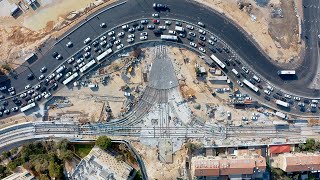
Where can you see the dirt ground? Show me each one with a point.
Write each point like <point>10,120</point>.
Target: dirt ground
<point>21,36</point>
<point>156,169</point>
<point>278,37</point>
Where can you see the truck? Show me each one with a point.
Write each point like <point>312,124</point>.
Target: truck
<point>179,29</point>
<point>282,103</point>
<point>104,54</point>
<point>286,72</point>
<point>281,115</point>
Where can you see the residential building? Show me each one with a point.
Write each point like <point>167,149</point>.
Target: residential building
<point>23,174</point>
<point>296,162</point>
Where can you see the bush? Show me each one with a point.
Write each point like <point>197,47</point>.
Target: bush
<point>103,142</point>
<point>7,67</point>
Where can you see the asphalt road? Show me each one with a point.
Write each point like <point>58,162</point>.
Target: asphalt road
<point>187,11</point>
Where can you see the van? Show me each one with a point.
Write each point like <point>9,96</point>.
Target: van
<point>235,72</point>
<point>314,101</point>
<point>267,92</point>
<point>60,69</point>
<point>270,88</point>
<point>86,41</point>
<point>256,78</point>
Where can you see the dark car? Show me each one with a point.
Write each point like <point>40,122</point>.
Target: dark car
<point>202,38</point>
<point>135,24</point>
<point>5,103</point>
<point>227,62</point>
<point>54,54</point>
<point>201,43</point>
<point>252,81</point>
<point>226,49</point>
<point>159,6</point>
<point>283,99</point>
<point>95,43</point>
<point>276,96</point>
<point>190,38</point>
<point>42,89</point>
<point>157,32</point>
<point>27,98</point>
<point>178,23</point>
<point>96,49</point>
<point>212,49</point>
<point>267,98</point>
<point>279,93</point>
<point>237,61</point>
<point>259,86</point>
<point>233,64</point>
<point>307,101</point>
<point>30,76</point>
<point>219,50</point>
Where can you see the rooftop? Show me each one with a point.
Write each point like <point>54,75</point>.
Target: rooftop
<point>100,165</point>
<point>295,162</point>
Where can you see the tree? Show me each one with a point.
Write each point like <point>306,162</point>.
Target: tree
<point>14,151</point>
<point>66,155</point>
<point>7,67</point>
<point>55,170</point>
<point>310,144</point>
<point>103,142</point>
<point>119,158</point>
<point>6,154</point>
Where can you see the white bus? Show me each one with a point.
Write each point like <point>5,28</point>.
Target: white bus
<point>27,107</point>
<point>282,103</point>
<point>281,115</point>
<point>215,59</point>
<point>88,65</point>
<point>250,85</point>
<point>235,72</point>
<point>286,72</point>
<point>69,79</point>
<point>169,37</point>
<point>104,54</point>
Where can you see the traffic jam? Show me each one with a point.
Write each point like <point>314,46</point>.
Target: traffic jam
<point>95,51</point>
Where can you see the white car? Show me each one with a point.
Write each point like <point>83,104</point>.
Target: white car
<point>130,40</point>
<point>37,87</point>
<point>69,44</point>
<point>172,32</point>
<point>120,34</point>
<point>287,96</point>
<point>103,25</point>
<point>80,60</point>
<point>267,92</point>
<point>297,98</point>
<point>30,91</point>
<point>245,69</point>
<point>117,42</point>
<point>111,33</point>
<point>102,43</point>
<point>202,50</point>
<point>142,38</point>
<point>162,27</point>
<point>87,48</point>
<point>87,54</point>
<point>125,26</point>
<point>201,31</point>
<point>193,44</point>
<point>68,74</point>
<point>201,24</point>
<point>58,57</point>
<point>144,34</point>
<point>27,86</point>
<point>81,65</point>
<point>240,83</point>
<point>144,21</point>
<point>23,95</point>
<point>51,76</point>
<point>211,42</point>
<point>131,36</point>
<point>189,27</point>
<point>14,109</point>
<point>103,38</point>
<point>70,60</point>
<point>12,92</point>
<point>155,15</point>
<point>167,22</point>
<point>11,89</point>
<point>192,34</point>
<point>120,46</point>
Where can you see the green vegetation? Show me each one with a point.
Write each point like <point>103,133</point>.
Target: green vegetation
<point>4,172</point>
<point>138,176</point>
<point>311,145</point>
<point>82,149</point>
<point>6,154</point>
<point>45,159</point>
<point>103,142</point>
<point>7,67</point>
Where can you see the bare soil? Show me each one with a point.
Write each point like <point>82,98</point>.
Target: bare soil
<point>278,37</point>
